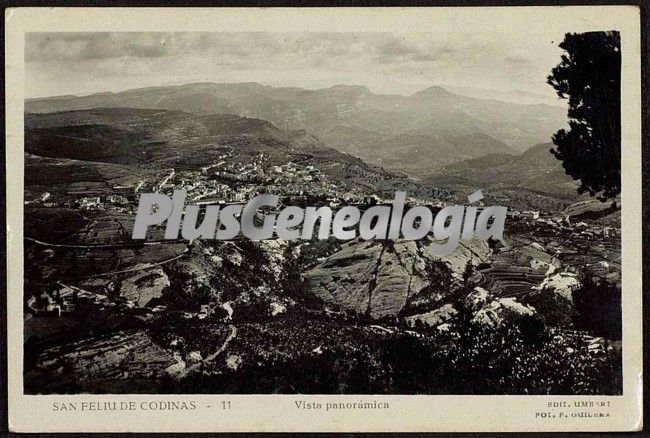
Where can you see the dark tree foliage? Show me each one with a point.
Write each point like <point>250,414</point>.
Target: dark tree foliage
<point>439,276</point>
<point>468,272</point>
<point>293,285</point>
<point>598,308</point>
<point>590,76</point>
<point>520,359</point>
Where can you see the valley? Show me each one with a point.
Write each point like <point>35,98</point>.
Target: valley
<point>105,314</point>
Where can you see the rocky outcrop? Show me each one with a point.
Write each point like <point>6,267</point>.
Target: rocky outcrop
<point>501,311</point>
<point>433,318</point>
<point>377,278</point>
<point>553,298</point>
<point>474,250</point>
<point>560,285</point>
<point>476,299</point>
<point>486,311</point>
<point>143,287</point>
<point>121,357</point>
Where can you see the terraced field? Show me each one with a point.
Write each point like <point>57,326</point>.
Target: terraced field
<point>507,280</point>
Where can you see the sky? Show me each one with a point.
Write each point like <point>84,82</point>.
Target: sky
<point>387,63</point>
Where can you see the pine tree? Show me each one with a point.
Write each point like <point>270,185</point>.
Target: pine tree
<point>590,76</point>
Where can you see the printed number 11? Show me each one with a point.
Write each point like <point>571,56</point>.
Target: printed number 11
<point>225,404</point>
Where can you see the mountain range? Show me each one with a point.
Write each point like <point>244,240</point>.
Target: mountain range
<point>414,134</point>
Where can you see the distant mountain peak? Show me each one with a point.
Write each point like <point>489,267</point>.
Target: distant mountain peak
<point>435,90</point>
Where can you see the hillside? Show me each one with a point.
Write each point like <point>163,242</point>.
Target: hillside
<point>535,177</point>
<point>237,316</point>
<point>409,133</point>
<point>160,139</point>
<point>514,96</point>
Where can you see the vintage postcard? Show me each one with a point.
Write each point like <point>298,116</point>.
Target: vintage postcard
<point>313,220</point>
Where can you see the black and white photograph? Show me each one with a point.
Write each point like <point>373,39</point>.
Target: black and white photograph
<point>527,122</point>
